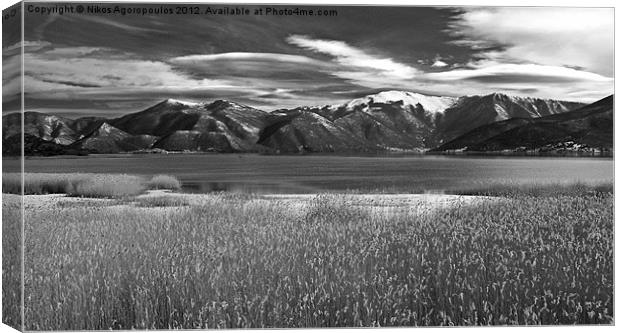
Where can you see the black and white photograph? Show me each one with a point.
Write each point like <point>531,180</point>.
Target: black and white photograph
<point>227,165</point>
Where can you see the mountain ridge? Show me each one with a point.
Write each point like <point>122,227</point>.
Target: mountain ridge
<point>589,128</point>
<point>386,121</point>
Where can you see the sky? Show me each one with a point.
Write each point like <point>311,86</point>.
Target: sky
<point>110,64</point>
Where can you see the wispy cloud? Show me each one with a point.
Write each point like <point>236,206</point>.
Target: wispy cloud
<point>563,53</point>
<point>237,66</point>
<point>490,71</point>
<point>524,79</point>
<point>356,63</point>
<point>86,75</point>
<point>275,80</point>
<point>120,74</point>
<point>113,63</point>
<point>29,46</point>
<point>553,36</point>
<point>115,24</point>
<point>76,73</point>
<point>439,63</point>
<point>494,72</point>
<point>241,56</point>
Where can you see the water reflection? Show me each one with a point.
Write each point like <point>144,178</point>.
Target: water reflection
<point>315,174</point>
<point>245,187</point>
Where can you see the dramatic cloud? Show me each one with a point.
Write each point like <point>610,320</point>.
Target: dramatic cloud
<point>118,79</point>
<point>283,80</point>
<point>439,63</point>
<point>555,36</point>
<point>268,66</point>
<point>29,46</point>
<point>11,83</point>
<point>118,64</point>
<point>524,79</point>
<point>357,64</point>
<point>563,53</point>
<point>75,73</point>
<point>495,72</point>
<point>248,56</point>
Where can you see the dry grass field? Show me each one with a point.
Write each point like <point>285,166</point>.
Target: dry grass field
<point>169,260</point>
<point>11,260</point>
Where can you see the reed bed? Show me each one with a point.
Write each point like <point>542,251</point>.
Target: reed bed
<point>238,262</point>
<point>164,182</point>
<point>536,189</point>
<point>86,184</point>
<point>162,201</point>
<point>11,261</point>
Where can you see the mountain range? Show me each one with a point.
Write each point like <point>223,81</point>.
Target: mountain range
<point>589,127</point>
<point>386,121</point>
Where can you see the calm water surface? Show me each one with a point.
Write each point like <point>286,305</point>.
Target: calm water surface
<point>318,173</point>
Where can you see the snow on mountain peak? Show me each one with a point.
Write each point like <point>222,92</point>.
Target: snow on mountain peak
<point>514,98</point>
<point>432,104</point>
<point>105,128</point>
<point>176,101</point>
<point>225,103</point>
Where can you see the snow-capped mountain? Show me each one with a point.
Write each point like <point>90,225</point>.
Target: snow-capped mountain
<point>47,127</point>
<point>389,120</point>
<point>470,112</point>
<point>588,127</point>
<point>172,101</point>
<point>109,139</point>
<point>432,104</point>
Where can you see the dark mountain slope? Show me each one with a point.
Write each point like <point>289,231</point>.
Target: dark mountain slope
<point>474,111</point>
<point>243,121</point>
<point>482,133</point>
<point>44,126</point>
<point>588,127</point>
<point>385,132</point>
<point>301,131</point>
<point>211,141</point>
<point>389,120</point>
<point>85,125</point>
<point>398,120</point>
<point>161,119</point>
<point>220,126</point>
<point>384,121</point>
<point>35,146</point>
<point>109,139</point>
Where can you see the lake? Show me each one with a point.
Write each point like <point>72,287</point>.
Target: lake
<point>320,173</point>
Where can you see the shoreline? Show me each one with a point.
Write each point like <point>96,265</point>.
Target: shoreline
<point>375,202</point>
<point>379,154</point>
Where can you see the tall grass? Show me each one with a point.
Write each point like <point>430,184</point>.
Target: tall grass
<point>41,183</point>
<point>164,182</point>
<point>86,184</point>
<point>535,189</point>
<point>162,201</point>
<point>11,261</point>
<point>506,188</point>
<point>244,262</point>
<point>107,186</point>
